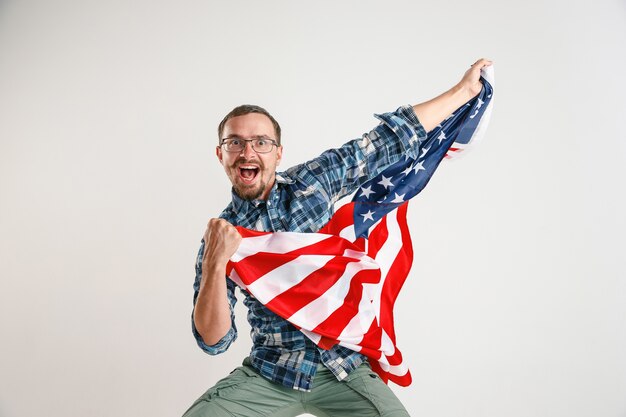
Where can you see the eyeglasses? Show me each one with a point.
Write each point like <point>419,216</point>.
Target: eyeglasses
<point>259,145</point>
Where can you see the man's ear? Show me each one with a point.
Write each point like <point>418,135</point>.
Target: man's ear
<point>218,153</point>
<point>279,155</point>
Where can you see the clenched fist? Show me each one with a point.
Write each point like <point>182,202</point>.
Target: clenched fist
<point>221,240</point>
<point>471,79</point>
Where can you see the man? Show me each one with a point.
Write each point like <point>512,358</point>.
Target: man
<point>287,374</point>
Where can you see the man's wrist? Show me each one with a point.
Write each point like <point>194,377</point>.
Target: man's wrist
<point>465,92</point>
<point>214,269</point>
<point>461,94</point>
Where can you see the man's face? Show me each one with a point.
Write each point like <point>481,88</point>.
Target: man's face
<point>252,174</point>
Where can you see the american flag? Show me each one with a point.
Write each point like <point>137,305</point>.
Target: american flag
<point>339,286</point>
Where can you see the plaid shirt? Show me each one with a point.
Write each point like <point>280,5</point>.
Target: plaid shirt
<point>302,200</point>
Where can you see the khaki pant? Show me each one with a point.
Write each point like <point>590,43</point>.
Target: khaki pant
<point>245,393</point>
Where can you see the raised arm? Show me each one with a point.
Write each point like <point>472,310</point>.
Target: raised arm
<point>339,172</point>
<point>433,112</point>
<point>212,316</point>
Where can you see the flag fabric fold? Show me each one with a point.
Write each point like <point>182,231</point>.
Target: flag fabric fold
<point>339,286</point>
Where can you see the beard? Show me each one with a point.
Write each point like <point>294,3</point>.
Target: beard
<point>250,193</point>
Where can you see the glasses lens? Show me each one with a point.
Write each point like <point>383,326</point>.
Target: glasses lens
<point>233,145</point>
<point>262,145</point>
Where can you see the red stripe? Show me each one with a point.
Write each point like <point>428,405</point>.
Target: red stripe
<point>402,380</point>
<point>255,266</point>
<point>371,341</point>
<point>344,217</point>
<point>327,342</point>
<point>309,289</point>
<point>339,319</point>
<point>397,274</point>
<point>378,236</point>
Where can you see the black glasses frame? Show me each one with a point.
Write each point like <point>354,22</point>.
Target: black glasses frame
<point>272,141</point>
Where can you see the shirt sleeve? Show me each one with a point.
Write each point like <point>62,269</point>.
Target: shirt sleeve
<point>341,171</point>
<point>224,343</point>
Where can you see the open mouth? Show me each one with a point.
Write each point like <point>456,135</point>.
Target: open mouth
<point>248,173</point>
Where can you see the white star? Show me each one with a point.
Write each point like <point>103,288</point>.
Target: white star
<point>385,182</point>
<point>419,167</point>
<point>424,151</point>
<point>441,136</point>
<point>478,106</point>
<point>398,199</point>
<point>366,191</point>
<point>368,216</point>
<point>407,170</point>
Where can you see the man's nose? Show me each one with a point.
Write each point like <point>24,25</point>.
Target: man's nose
<point>247,150</point>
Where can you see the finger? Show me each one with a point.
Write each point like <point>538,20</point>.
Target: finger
<point>482,62</point>
<point>209,227</point>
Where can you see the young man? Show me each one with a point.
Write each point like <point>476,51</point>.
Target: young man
<point>287,374</point>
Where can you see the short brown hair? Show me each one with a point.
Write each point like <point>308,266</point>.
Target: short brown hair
<point>247,109</point>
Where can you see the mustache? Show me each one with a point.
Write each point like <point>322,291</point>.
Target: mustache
<point>244,161</point>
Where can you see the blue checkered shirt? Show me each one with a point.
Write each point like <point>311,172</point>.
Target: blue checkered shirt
<point>302,200</point>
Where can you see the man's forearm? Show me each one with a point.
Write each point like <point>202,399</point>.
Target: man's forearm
<point>435,111</point>
<point>212,311</point>
<point>211,315</point>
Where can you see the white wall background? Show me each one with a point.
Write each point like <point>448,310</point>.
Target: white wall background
<point>516,305</point>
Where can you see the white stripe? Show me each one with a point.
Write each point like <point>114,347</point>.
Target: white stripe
<point>369,311</point>
<point>356,328</point>
<point>386,345</point>
<point>315,338</point>
<point>348,233</point>
<point>251,246</point>
<point>280,242</point>
<point>234,276</point>
<point>318,310</point>
<point>386,256</point>
<point>399,370</point>
<point>489,75</point>
<point>351,346</point>
<point>460,147</point>
<point>286,276</point>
